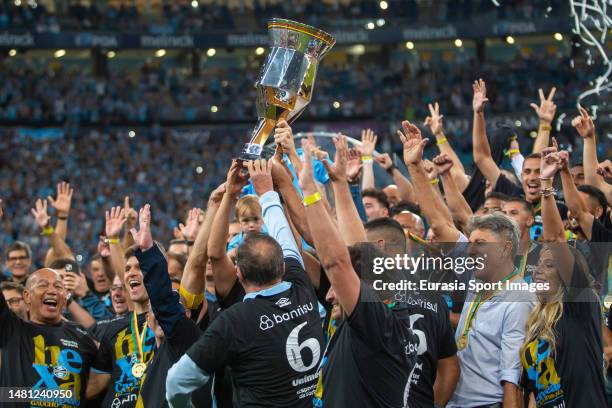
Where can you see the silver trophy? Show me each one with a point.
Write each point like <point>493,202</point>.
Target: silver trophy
<point>287,78</point>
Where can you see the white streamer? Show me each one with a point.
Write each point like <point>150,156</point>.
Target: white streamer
<point>592,24</point>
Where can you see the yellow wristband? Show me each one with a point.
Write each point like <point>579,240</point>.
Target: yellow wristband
<point>191,301</point>
<point>312,199</point>
<point>113,241</point>
<point>546,128</point>
<point>47,231</point>
<point>366,159</point>
<point>512,152</point>
<point>441,141</point>
<point>435,181</point>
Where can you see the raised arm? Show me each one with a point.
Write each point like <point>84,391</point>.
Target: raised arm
<point>332,251</point>
<point>283,137</point>
<point>281,177</point>
<point>480,144</point>
<point>193,281</point>
<point>115,220</point>
<point>404,187</point>
<point>430,201</point>
<point>546,113</point>
<point>368,144</point>
<point>131,218</point>
<point>164,301</point>
<point>552,225</point>
<point>459,208</point>
<point>272,209</point>
<point>62,207</point>
<point>434,121</point>
<point>59,249</point>
<point>575,204</point>
<point>586,129</point>
<point>349,224</point>
<point>224,273</point>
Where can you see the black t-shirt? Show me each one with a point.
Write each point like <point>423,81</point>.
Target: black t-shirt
<point>44,357</point>
<point>436,340</point>
<point>370,357</point>
<point>153,389</point>
<point>507,187</point>
<point>573,377</point>
<point>599,233</point>
<point>272,343</point>
<point>118,354</point>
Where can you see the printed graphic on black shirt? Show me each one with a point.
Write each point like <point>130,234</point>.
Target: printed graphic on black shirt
<point>118,354</point>
<point>542,377</point>
<point>45,358</point>
<point>272,343</point>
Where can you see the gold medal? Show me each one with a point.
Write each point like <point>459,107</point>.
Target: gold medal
<point>138,369</point>
<point>462,342</point>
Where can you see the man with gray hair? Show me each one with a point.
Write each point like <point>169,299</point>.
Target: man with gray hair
<point>492,324</point>
<point>493,321</point>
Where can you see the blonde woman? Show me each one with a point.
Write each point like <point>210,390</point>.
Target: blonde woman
<point>562,354</point>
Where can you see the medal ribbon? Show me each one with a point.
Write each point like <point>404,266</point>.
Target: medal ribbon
<point>138,337</point>
<point>479,301</point>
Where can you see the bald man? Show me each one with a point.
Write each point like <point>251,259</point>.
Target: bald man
<point>45,352</point>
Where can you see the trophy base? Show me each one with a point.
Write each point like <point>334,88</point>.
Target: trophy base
<point>251,151</point>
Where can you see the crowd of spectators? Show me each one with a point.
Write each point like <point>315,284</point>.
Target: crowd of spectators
<point>182,16</point>
<point>158,166</point>
<point>55,94</point>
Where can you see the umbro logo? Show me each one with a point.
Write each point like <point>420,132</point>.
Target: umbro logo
<point>282,302</point>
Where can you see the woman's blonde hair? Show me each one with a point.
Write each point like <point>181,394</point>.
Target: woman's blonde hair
<point>547,311</point>
<point>542,320</point>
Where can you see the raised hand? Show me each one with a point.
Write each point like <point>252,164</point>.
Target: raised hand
<point>306,177</point>
<point>261,175</point>
<point>384,160</point>
<point>547,108</point>
<point>216,196</point>
<point>551,161</point>
<point>192,224</point>
<point>64,199</point>
<point>115,219</point>
<point>604,169</point>
<point>130,213</point>
<point>584,124</point>
<point>434,120</point>
<point>353,165</point>
<point>480,96</point>
<point>143,237</point>
<point>430,170</point>
<point>103,247</point>
<point>236,179</point>
<point>337,171</point>
<point>368,142</point>
<point>413,143</point>
<point>442,163</point>
<point>40,213</point>
<point>283,136</point>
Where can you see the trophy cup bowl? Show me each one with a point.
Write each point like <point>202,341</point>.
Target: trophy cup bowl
<point>285,83</point>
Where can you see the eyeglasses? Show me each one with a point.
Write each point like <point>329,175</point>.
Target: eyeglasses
<point>117,287</point>
<point>14,301</point>
<point>18,258</point>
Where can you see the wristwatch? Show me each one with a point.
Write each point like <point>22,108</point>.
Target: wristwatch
<point>69,299</point>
